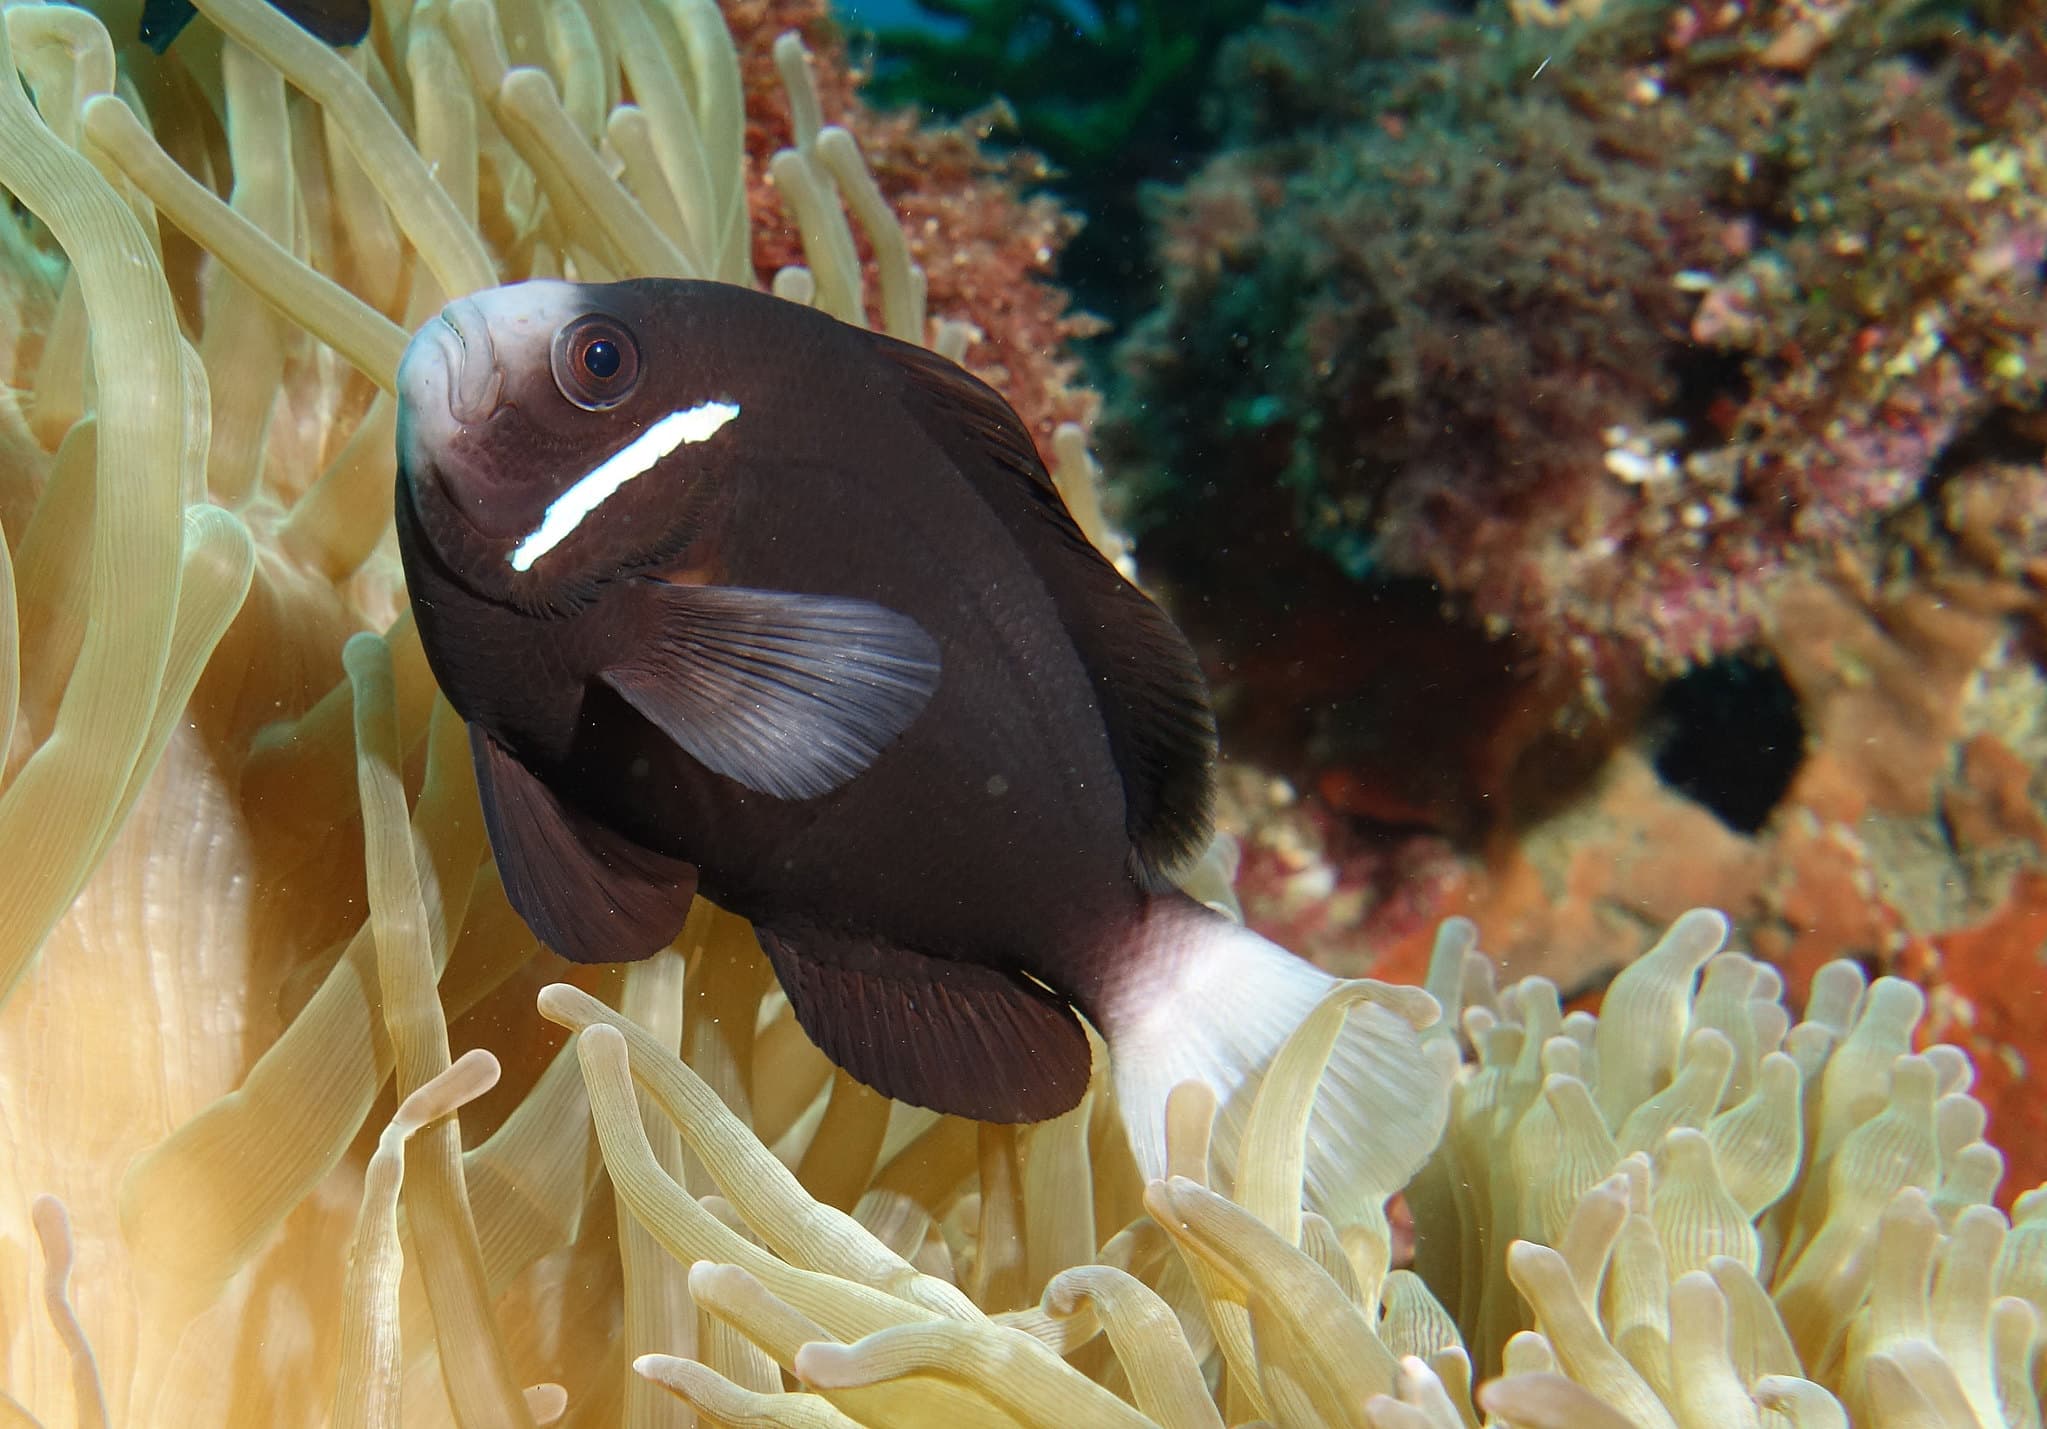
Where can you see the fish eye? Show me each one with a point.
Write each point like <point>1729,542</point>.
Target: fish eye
<point>596,362</point>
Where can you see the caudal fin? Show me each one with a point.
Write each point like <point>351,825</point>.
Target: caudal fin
<point>1199,997</point>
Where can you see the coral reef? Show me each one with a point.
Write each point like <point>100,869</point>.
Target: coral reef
<point>1603,330</point>
<point>1619,434</point>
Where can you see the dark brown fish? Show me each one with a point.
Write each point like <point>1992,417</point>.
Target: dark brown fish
<point>334,22</point>
<point>741,599</point>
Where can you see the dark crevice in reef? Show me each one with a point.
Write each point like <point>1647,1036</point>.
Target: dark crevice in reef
<point>1712,386</point>
<point>1729,736</point>
<point>2000,437</point>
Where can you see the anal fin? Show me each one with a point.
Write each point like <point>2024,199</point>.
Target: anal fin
<point>955,1037</point>
<point>590,894</point>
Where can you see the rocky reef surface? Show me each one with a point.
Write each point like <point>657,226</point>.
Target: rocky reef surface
<point>1600,449</point>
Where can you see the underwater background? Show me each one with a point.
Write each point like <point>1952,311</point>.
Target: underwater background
<point>1599,450</point>
<point>1598,447</point>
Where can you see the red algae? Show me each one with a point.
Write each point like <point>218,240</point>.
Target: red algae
<point>1989,984</point>
<point>988,252</point>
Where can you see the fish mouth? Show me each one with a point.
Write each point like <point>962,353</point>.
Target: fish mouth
<point>478,380</point>
<point>449,383</point>
<point>451,366</point>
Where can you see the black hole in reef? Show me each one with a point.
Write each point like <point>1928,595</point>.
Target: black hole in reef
<point>1999,436</point>
<point>1711,388</point>
<point>1728,734</point>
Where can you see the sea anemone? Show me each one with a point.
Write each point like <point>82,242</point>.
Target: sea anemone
<point>1708,1213</point>
<point>196,463</point>
<point>251,914</point>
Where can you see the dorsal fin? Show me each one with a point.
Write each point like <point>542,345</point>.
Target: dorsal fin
<point>1153,699</point>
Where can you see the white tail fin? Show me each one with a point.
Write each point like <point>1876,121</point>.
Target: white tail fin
<point>1198,997</point>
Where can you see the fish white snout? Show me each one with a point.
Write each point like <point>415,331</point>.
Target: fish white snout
<point>451,367</point>
<point>461,362</point>
<point>485,355</point>
<point>477,379</point>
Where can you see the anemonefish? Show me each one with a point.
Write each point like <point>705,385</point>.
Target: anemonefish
<point>742,600</point>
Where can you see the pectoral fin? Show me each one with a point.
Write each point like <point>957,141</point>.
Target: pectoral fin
<point>589,893</point>
<point>955,1037</point>
<point>788,695</point>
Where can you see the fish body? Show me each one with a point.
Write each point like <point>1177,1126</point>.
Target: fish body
<point>740,599</point>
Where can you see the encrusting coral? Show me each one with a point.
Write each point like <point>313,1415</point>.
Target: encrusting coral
<point>1604,331</point>
<point>1662,391</point>
<point>250,915</point>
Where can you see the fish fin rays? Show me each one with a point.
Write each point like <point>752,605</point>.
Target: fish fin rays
<point>955,1037</point>
<point>973,408</point>
<point>590,894</point>
<point>1151,692</point>
<point>1204,998</point>
<point>788,695</point>
<point>1161,731</point>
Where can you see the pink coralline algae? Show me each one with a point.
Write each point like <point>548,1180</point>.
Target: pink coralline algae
<point>987,252</point>
<point>1604,330</point>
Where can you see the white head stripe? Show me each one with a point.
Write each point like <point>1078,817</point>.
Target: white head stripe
<point>636,458</point>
